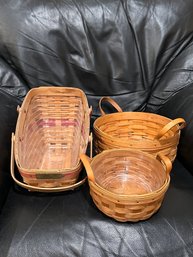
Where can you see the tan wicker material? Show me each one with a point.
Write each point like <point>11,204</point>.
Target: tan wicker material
<point>126,184</point>
<point>51,132</point>
<point>148,132</point>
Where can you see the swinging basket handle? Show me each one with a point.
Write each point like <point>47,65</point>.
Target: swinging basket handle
<point>41,189</point>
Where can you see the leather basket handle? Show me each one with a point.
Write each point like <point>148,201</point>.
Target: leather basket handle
<point>35,188</point>
<point>179,121</point>
<point>111,101</point>
<point>86,162</point>
<point>165,161</point>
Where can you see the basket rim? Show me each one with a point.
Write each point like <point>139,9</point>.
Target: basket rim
<point>59,88</point>
<point>125,196</point>
<point>132,112</point>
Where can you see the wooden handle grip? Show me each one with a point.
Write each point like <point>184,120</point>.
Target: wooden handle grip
<point>179,121</point>
<point>91,145</point>
<point>108,100</point>
<point>165,161</point>
<point>86,162</point>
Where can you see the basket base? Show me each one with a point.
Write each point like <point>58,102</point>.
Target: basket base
<point>128,217</point>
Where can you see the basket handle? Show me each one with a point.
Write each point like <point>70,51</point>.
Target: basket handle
<point>34,188</point>
<point>179,121</point>
<point>86,162</point>
<point>165,161</point>
<point>90,111</point>
<point>111,101</point>
<point>90,139</point>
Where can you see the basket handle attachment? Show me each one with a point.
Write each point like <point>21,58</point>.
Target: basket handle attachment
<point>18,109</point>
<point>35,188</point>
<point>86,162</point>
<point>90,139</point>
<point>179,121</point>
<point>111,101</point>
<point>90,111</point>
<point>165,161</point>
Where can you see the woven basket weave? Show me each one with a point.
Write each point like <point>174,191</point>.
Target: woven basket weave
<point>52,130</point>
<point>126,184</point>
<point>148,132</point>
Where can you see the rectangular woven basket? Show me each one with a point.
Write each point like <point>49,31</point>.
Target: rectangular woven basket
<point>52,131</point>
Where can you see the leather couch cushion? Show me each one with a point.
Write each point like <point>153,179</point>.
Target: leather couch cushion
<point>12,91</point>
<point>135,51</point>
<point>181,105</point>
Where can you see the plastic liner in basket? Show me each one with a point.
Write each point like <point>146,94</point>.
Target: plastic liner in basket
<point>52,131</point>
<point>143,131</point>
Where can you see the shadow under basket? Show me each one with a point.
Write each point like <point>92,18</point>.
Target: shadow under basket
<point>52,131</point>
<point>143,131</point>
<point>128,185</point>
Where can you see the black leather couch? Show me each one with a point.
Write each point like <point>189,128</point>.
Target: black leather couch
<point>138,52</point>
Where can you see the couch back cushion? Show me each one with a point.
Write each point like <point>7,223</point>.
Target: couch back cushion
<point>138,52</point>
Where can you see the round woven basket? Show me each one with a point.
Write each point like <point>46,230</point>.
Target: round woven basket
<point>148,132</point>
<point>126,184</point>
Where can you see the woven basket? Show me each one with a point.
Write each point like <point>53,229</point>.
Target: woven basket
<point>52,131</point>
<point>126,184</point>
<point>148,132</point>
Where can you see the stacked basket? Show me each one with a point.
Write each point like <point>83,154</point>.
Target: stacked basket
<point>148,132</point>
